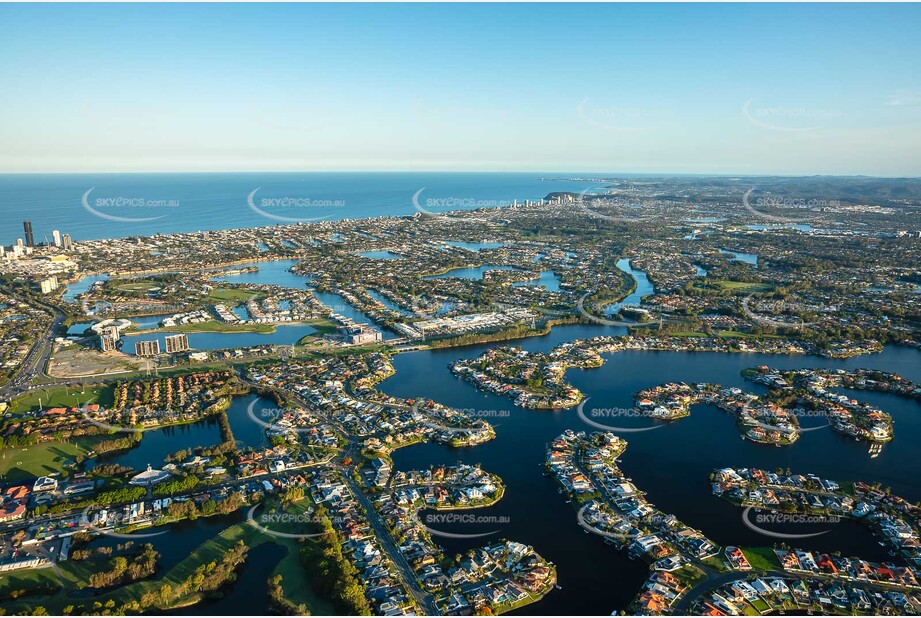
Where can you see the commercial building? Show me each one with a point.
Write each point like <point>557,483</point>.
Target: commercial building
<point>27,228</point>
<point>177,343</point>
<point>56,236</point>
<point>361,333</point>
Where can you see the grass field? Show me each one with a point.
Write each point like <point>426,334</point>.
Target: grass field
<point>37,460</point>
<point>136,286</point>
<point>762,558</point>
<point>232,295</point>
<point>61,397</point>
<point>323,326</point>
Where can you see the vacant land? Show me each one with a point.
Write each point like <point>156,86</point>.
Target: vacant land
<point>762,558</point>
<point>79,362</point>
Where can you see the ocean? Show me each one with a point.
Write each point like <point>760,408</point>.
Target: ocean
<point>95,206</point>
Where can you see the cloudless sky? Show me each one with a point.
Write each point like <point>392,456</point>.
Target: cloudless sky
<point>690,88</point>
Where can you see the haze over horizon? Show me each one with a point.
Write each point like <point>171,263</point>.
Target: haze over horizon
<point>655,89</point>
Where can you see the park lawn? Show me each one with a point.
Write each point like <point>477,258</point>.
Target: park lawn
<point>224,295</point>
<point>747,286</point>
<point>18,463</point>
<point>296,585</point>
<point>762,558</point>
<point>294,581</point>
<point>137,286</point>
<point>73,573</point>
<point>734,286</point>
<point>61,397</point>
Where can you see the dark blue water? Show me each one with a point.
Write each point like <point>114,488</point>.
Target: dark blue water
<point>75,289</point>
<point>178,539</point>
<point>547,279</point>
<point>738,256</point>
<point>248,594</point>
<point>473,272</point>
<point>194,202</point>
<point>285,334</point>
<point>671,464</point>
<point>156,444</point>
<point>246,431</point>
<point>644,287</point>
<point>276,272</point>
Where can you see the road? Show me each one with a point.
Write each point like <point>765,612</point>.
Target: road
<point>425,600</point>
<point>36,361</point>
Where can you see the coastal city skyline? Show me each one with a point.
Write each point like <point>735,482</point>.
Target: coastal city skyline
<point>460,309</point>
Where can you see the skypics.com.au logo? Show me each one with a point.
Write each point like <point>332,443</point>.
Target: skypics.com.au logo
<point>284,208</point>
<point>109,522</point>
<point>769,312</point>
<point>788,119</point>
<point>456,519</point>
<point>459,209</point>
<point>120,208</point>
<point>102,424</point>
<point>623,118</point>
<point>282,524</point>
<point>601,203</point>
<point>763,207</point>
<point>604,418</point>
<point>778,525</point>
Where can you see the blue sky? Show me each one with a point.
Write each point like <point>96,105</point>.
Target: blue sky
<point>737,89</point>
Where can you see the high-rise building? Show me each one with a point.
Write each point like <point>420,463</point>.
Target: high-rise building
<point>56,235</point>
<point>48,285</point>
<point>177,343</point>
<point>27,227</point>
<point>147,348</point>
<point>68,242</point>
<point>108,340</point>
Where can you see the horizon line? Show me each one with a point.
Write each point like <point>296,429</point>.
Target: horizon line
<point>556,172</point>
